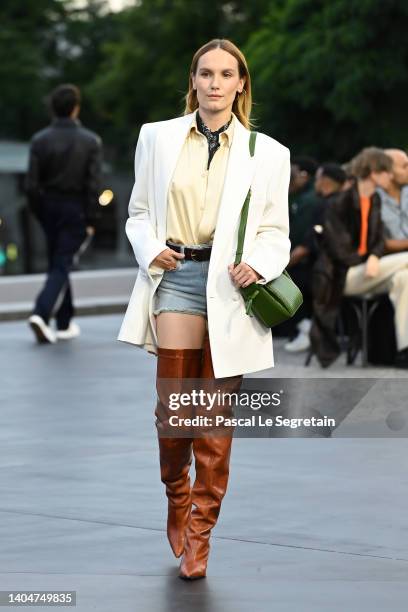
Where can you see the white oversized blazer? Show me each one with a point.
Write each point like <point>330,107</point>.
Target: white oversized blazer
<point>239,343</point>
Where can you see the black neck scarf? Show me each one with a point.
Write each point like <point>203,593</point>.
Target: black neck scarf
<point>213,138</point>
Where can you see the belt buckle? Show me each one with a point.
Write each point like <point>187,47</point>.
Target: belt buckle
<point>193,254</point>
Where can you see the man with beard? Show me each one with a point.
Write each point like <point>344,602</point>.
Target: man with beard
<point>394,203</point>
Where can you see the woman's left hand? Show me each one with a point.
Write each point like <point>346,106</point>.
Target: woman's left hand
<point>243,275</point>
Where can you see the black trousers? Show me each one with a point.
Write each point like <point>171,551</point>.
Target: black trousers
<point>63,221</point>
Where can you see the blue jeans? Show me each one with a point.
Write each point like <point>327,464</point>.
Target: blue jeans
<point>183,289</point>
<point>63,222</point>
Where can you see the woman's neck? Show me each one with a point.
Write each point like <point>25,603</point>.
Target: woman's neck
<point>366,187</point>
<point>214,121</point>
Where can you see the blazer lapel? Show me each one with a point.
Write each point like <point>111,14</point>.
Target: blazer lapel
<point>238,178</point>
<point>169,143</point>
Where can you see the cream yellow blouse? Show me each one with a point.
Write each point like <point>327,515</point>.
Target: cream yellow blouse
<point>195,191</point>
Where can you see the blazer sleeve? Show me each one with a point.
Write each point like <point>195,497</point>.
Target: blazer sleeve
<point>270,253</point>
<point>139,228</point>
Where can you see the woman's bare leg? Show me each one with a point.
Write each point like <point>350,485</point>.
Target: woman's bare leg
<point>176,330</point>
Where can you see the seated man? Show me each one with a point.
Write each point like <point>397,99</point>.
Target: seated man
<point>394,203</point>
<point>330,178</point>
<point>352,260</point>
<point>302,203</point>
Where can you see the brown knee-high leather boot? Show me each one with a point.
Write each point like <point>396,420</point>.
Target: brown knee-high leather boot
<point>175,452</point>
<point>212,457</point>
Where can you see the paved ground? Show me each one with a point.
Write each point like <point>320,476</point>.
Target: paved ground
<point>307,524</point>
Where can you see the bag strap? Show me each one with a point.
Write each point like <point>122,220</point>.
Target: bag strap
<point>252,140</point>
<point>245,207</point>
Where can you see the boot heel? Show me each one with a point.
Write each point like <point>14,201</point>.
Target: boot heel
<point>212,457</point>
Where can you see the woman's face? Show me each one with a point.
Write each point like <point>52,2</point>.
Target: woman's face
<point>217,80</point>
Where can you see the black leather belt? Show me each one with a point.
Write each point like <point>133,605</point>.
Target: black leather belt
<point>203,254</point>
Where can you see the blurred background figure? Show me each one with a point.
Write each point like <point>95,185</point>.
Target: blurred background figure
<point>303,201</point>
<point>63,184</point>
<point>330,178</point>
<point>352,260</point>
<point>394,203</point>
<point>350,179</point>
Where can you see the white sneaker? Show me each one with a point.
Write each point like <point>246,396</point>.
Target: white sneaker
<point>42,331</point>
<point>73,331</point>
<point>298,344</point>
<point>304,326</point>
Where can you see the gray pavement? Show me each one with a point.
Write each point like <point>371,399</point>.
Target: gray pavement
<point>307,524</point>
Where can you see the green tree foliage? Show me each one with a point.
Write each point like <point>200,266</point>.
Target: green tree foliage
<point>330,77</point>
<point>28,35</point>
<point>86,34</point>
<point>144,75</point>
<point>44,43</point>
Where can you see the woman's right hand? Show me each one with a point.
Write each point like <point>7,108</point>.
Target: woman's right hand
<point>167,259</point>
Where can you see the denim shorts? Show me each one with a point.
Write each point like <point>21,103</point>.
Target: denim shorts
<point>184,289</point>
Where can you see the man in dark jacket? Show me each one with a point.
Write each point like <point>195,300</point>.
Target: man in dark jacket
<point>302,202</point>
<point>352,260</point>
<point>329,180</point>
<point>63,186</point>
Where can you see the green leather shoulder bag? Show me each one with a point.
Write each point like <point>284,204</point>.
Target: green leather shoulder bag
<point>273,302</point>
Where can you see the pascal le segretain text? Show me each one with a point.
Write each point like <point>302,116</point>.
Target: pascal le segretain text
<point>256,420</point>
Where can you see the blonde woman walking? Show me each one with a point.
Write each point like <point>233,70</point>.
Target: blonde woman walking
<point>192,175</point>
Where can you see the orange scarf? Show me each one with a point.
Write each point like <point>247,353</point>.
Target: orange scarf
<point>365,205</point>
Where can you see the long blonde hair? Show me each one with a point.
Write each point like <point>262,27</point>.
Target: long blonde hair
<point>243,102</point>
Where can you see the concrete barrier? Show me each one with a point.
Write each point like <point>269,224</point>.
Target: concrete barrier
<point>95,291</point>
